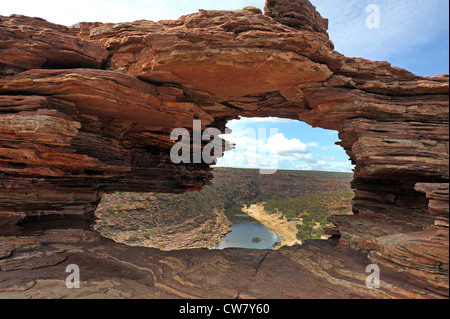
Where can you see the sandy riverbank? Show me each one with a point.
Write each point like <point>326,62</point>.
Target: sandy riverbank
<point>287,229</point>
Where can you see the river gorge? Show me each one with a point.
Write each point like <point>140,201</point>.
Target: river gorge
<point>230,212</point>
<point>246,232</point>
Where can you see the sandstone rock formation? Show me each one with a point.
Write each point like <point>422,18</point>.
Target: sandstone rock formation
<point>88,110</point>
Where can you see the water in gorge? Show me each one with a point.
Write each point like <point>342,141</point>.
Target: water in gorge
<point>246,232</point>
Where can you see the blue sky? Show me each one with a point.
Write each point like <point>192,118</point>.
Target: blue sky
<point>293,145</point>
<point>413,34</point>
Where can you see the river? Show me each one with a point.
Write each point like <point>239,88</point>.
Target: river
<point>246,232</point>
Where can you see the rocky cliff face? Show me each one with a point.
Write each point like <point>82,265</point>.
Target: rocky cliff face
<point>88,110</point>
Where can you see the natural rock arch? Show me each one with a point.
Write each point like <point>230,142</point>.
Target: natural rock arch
<point>89,110</point>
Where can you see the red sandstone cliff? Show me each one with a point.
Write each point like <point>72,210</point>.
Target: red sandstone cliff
<point>89,110</point>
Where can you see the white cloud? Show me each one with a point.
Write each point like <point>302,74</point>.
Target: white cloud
<point>261,148</point>
<point>332,166</point>
<point>254,150</point>
<point>71,12</point>
<point>316,145</point>
<point>266,120</point>
<point>279,144</point>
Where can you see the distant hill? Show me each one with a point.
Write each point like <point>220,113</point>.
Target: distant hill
<point>196,219</point>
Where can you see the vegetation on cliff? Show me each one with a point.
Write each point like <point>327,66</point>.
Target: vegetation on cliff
<point>312,210</point>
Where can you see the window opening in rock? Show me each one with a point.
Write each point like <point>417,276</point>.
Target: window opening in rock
<point>245,207</point>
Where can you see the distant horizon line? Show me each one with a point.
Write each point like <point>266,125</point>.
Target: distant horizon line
<point>284,169</point>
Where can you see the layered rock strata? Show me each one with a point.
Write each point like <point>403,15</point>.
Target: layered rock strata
<point>88,110</point>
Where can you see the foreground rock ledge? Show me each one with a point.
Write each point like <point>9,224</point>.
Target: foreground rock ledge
<point>36,268</point>
<point>88,110</point>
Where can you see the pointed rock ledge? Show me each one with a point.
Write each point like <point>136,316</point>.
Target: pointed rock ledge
<point>88,110</point>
